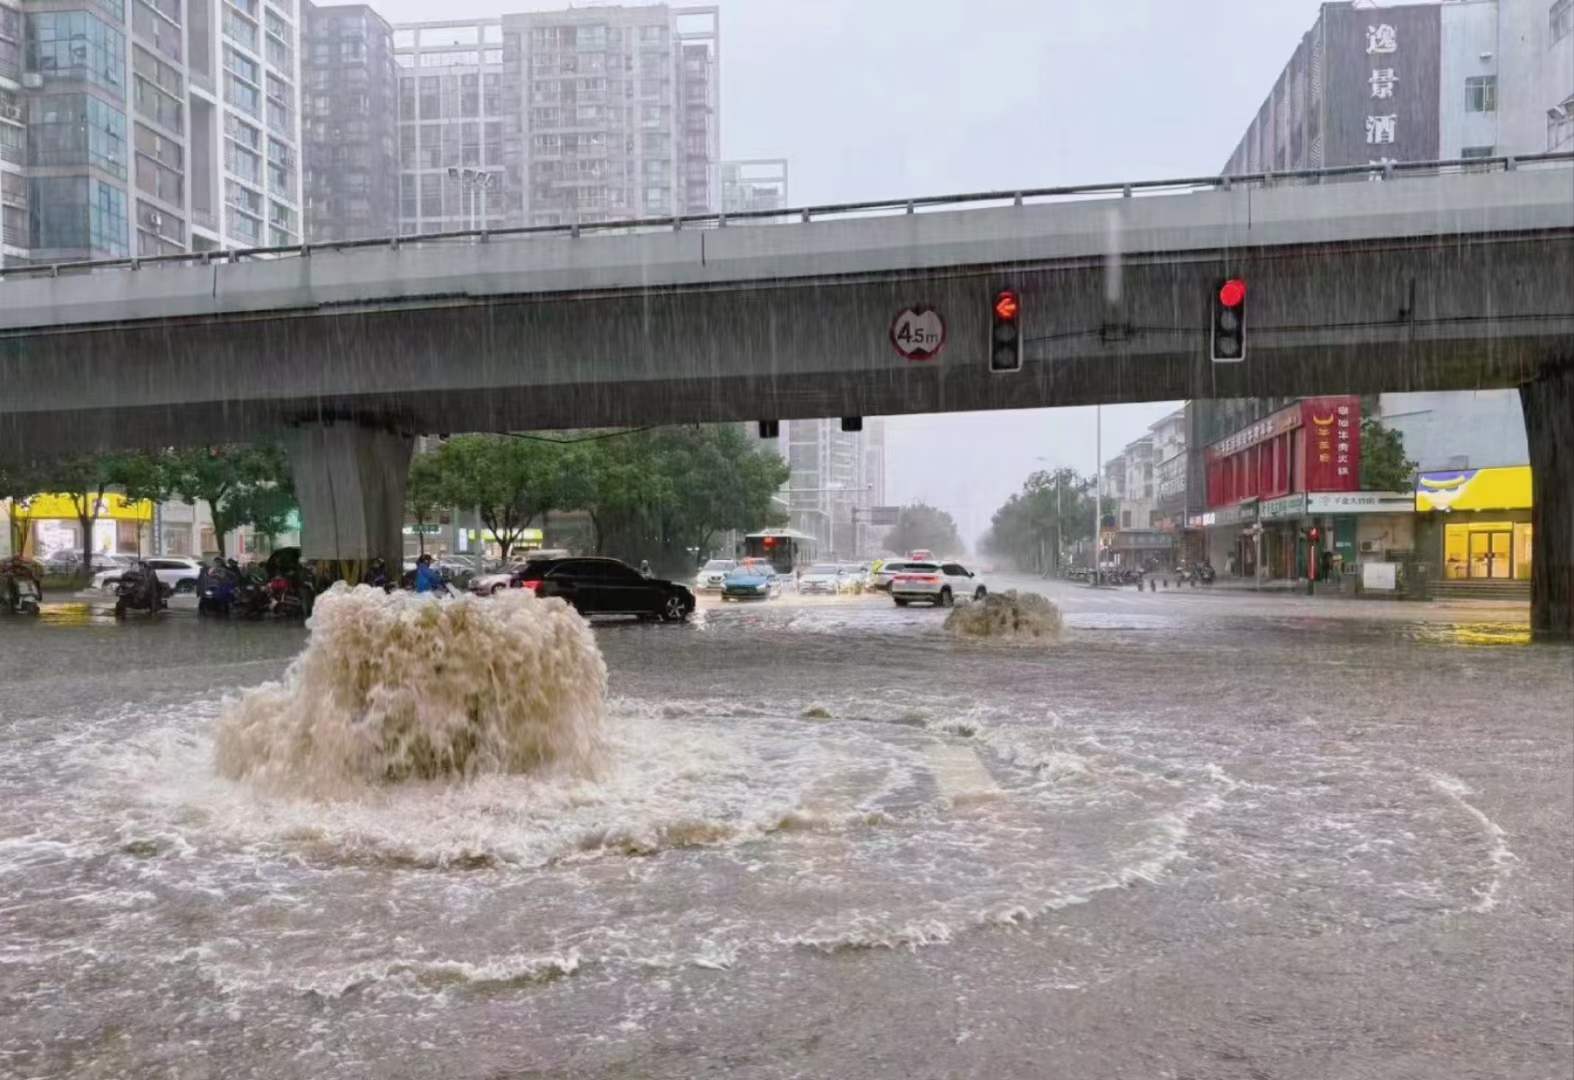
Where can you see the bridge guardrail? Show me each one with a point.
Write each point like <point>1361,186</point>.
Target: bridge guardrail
<point>821,212</point>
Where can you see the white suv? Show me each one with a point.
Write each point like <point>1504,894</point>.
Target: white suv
<point>178,572</point>
<point>940,584</point>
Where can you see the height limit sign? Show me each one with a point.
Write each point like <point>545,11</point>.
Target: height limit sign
<point>918,332</point>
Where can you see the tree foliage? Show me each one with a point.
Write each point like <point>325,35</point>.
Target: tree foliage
<point>1384,466</point>
<point>20,481</point>
<point>243,484</point>
<point>648,494</point>
<point>1054,510</point>
<point>510,481</point>
<point>923,526</point>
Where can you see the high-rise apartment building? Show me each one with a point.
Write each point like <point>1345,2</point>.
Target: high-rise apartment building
<point>554,118</point>
<point>835,476</point>
<point>753,184</point>
<point>456,125</point>
<point>144,127</point>
<point>349,123</point>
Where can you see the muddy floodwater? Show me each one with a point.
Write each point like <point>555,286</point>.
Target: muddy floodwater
<point>1201,835</point>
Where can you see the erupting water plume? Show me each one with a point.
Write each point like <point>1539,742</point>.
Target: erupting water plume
<point>1008,616</point>
<point>397,686</point>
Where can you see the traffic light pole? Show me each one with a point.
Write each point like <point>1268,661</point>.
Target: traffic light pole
<point>1098,490</point>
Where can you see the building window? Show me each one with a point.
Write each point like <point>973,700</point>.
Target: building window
<point>75,129</point>
<point>281,169</point>
<point>1477,151</point>
<point>243,163</point>
<point>1481,93</point>
<point>242,95</point>
<point>76,45</point>
<point>1560,19</point>
<point>240,29</point>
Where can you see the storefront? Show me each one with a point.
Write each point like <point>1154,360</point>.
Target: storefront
<point>1142,548</point>
<point>1282,547</point>
<point>1479,521</point>
<point>51,525</point>
<point>1232,537</point>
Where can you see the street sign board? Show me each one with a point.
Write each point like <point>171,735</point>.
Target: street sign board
<point>884,515</point>
<point>918,332</point>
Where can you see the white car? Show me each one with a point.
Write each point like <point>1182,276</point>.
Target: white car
<point>713,575</point>
<point>880,580</point>
<point>487,584</point>
<point>826,579</point>
<point>178,572</point>
<point>940,584</point>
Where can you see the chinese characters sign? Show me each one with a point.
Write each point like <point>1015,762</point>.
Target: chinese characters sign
<point>1263,430</point>
<point>1382,84</point>
<point>1332,443</point>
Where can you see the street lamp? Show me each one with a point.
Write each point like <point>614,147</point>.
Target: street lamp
<point>478,182</point>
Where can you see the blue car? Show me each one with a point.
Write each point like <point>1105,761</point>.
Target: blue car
<point>756,581</point>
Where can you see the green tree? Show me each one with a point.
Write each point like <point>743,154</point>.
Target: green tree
<point>656,494</point>
<point>1054,510</point>
<point>20,482</point>
<point>923,526</point>
<point>240,483</point>
<point>83,479</point>
<point>509,480</point>
<point>1384,466</point>
<point>424,493</point>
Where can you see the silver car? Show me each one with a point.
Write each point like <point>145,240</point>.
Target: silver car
<point>713,575</point>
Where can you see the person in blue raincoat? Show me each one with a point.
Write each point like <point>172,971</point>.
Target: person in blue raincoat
<point>427,579</point>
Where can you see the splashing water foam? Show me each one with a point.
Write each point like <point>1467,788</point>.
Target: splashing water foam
<point>1017,617</point>
<point>396,686</point>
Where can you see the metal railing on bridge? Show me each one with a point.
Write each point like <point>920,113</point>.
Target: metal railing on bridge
<point>832,211</point>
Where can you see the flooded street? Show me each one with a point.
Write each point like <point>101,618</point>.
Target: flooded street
<point>1207,834</point>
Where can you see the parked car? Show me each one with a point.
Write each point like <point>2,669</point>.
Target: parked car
<point>599,586</point>
<point>178,573</point>
<point>752,581</point>
<point>713,574</point>
<point>65,562</point>
<point>497,581</point>
<point>940,584</point>
<point>825,579</point>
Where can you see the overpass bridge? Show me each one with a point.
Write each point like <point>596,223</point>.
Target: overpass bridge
<point>1452,275</point>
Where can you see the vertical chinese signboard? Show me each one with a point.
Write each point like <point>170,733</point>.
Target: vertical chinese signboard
<point>1332,443</point>
<point>1381,89</point>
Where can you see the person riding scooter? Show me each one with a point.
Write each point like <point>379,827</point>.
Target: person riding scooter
<point>427,578</point>
<point>377,575</point>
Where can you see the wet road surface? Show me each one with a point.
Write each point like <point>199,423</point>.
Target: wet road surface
<point>1205,835</point>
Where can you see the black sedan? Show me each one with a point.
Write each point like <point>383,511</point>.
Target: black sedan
<point>597,586</point>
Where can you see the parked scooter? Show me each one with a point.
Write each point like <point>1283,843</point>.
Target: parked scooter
<point>140,589</point>
<point>20,592</point>
<point>217,586</point>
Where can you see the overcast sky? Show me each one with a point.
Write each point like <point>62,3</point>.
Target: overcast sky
<point>879,98</point>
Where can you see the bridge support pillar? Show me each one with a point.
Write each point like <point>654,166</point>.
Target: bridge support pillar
<point>349,481</point>
<point>1548,404</point>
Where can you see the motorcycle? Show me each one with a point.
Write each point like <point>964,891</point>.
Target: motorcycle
<point>140,589</point>
<point>216,591</point>
<point>291,598</point>
<point>20,593</point>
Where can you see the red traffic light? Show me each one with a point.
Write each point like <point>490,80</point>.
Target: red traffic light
<point>1006,305</point>
<point>1232,292</point>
